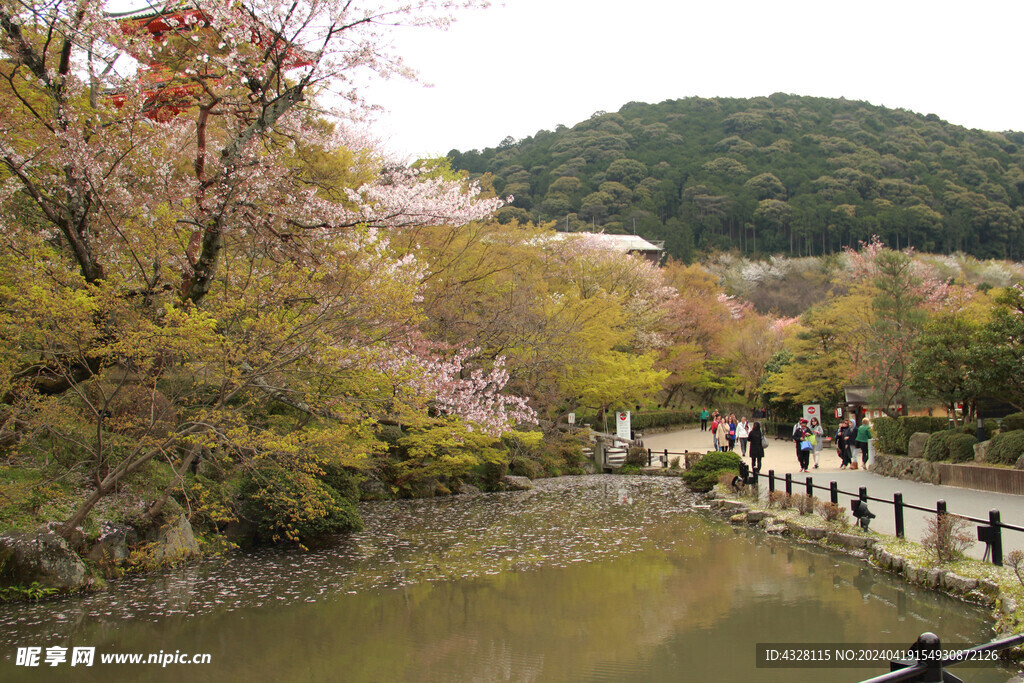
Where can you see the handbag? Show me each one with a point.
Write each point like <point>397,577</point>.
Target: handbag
<point>813,439</point>
<point>806,445</point>
<point>764,441</point>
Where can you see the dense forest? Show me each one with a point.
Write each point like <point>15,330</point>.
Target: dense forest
<point>779,174</point>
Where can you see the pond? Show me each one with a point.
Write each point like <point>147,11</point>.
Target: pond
<point>582,579</point>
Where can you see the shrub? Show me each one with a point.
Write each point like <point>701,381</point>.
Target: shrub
<point>292,504</point>
<point>636,455</point>
<point>989,427</point>
<point>947,538</point>
<point>1012,422</point>
<point>928,425</point>
<point>703,476</point>
<point>937,448</point>
<point>635,469</point>
<point>566,450</point>
<point>523,466</point>
<point>778,499</point>
<point>961,447</point>
<point>890,436</point>
<point>1006,447</point>
<point>832,513</point>
<point>665,418</point>
<point>492,473</point>
<point>1015,561</point>
<point>802,503</point>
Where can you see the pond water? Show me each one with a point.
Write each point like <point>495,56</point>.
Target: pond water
<point>583,579</point>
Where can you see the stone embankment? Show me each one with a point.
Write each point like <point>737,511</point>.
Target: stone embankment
<point>869,547</point>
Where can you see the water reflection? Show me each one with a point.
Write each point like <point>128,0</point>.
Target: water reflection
<point>584,578</point>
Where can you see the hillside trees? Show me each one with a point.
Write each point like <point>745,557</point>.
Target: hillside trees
<point>845,170</point>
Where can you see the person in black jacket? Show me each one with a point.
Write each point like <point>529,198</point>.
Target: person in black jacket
<point>755,441</point>
<point>800,434</point>
<point>844,444</point>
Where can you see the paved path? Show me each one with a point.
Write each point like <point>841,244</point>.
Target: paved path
<point>781,457</point>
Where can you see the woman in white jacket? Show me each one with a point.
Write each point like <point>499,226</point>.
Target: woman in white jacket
<point>742,433</point>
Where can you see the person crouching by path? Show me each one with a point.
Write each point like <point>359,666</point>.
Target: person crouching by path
<point>722,435</point>
<point>819,439</point>
<point>861,440</point>
<point>742,434</point>
<point>756,446</point>
<point>800,434</point>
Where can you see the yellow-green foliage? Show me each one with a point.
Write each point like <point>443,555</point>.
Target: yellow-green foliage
<point>450,449</point>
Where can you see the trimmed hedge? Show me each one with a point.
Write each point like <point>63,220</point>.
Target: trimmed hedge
<point>642,420</point>
<point>889,436</point>
<point>990,427</point>
<point>667,418</point>
<point>1006,447</point>
<point>1012,422</point>
<point>929,425</point>
<point>937,448</point>
<point>703,476</point>
<point>961,447</point>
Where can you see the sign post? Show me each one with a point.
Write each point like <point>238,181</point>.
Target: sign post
<point>812,411</point>
<point>623,429</point>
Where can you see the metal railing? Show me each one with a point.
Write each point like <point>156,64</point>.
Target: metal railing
<point>929,667</point>
<point>989,530</point>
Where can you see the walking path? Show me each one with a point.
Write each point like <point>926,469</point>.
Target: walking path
<point>780,456</point>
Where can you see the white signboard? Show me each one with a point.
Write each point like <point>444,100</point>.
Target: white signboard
<point>622,425</point>
<point>572,418</point>
<point>812,411</point>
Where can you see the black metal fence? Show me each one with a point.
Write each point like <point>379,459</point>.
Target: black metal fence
<point>989,530</point>
<point>929,666</point>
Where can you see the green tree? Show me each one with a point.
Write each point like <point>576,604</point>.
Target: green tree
<point>1001,353</point>
<point>944,362</point>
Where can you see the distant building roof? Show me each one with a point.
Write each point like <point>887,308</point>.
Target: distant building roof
<point>626,243</point>
<point>858,394</point>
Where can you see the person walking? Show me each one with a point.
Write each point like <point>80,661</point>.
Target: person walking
<point>722,435</point>
<point>757,441</point>
<point>714,431</point>
<point>818,441</point>
<point>742,433</point>
<point>843,444</point>
<point>803,445</point>
<point>731,426</point>
<point>861,440</point>
<point>704,415</point>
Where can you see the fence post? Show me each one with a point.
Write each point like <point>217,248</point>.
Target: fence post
<point>809,483</point>
<point>997,537</point>
<point>863,494</point>
<point>897,506</point>
<point>771,481</point>
<point>940,507</point>
<point>833,489</point>
<point>666,457</point>
<point>789,483</point>
<point>649,457</point>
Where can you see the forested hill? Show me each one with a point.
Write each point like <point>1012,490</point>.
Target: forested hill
<point>778,174</point>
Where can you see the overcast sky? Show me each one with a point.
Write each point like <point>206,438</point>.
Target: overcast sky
<point>531,65</point>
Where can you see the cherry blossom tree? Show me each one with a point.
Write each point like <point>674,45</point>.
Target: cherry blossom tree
<point>189,236</point>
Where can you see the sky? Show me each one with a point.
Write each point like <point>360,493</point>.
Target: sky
<point>531,65</point>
